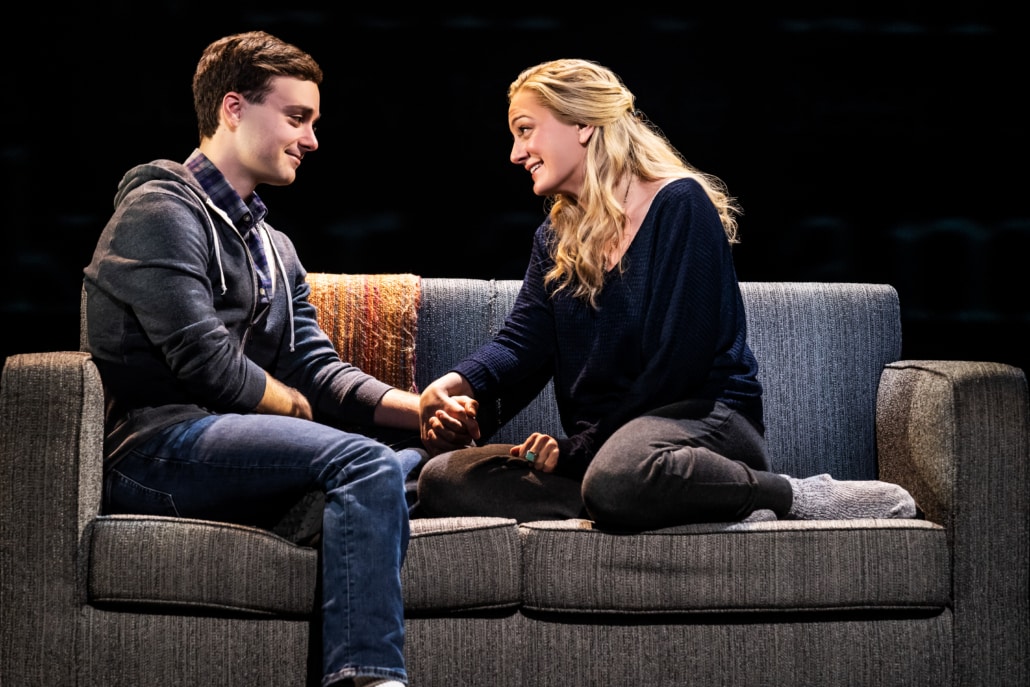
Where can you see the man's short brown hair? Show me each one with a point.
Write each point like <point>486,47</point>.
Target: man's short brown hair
<point>245,63</point>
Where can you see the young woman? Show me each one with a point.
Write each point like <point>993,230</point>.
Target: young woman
<point>631,304</point>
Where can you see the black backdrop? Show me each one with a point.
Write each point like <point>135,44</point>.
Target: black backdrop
<point>864,146</point>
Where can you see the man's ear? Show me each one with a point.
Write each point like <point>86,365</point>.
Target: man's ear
<point>232,109</point>
<point>585,132</point>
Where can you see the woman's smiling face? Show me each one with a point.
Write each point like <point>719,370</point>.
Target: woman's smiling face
<point>553,152</point>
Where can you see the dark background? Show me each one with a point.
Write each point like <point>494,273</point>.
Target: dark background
<point>864,145</point>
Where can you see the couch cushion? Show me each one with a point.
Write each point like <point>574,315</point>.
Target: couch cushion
<point>454,319</point>
<point>143,560</point>
<point>821,348</point>
<point>736,567</point>
<point>462,564</point>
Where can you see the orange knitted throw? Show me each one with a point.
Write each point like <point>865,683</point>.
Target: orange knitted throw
<point>372,320</point>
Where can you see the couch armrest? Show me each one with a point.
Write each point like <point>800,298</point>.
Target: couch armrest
<point>956,435</point>
<point>51,442</point>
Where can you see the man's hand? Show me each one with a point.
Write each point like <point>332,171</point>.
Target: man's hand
<point>280,399</point>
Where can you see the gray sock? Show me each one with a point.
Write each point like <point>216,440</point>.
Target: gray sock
<point>761,515</point>
<point>824,498</point>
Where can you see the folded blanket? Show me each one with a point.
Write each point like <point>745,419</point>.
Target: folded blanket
<point>372,320</point>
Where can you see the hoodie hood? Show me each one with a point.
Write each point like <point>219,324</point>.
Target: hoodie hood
<point>158,170</point>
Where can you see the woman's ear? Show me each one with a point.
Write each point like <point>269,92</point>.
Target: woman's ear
<point>585,132</point>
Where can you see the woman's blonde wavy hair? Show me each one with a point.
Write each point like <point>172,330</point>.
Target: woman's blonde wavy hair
<point>624,143</point>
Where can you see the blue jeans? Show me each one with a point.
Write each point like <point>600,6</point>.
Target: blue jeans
<point>248,469</point>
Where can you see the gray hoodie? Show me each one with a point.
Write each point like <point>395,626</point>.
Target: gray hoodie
<point>174,325</point>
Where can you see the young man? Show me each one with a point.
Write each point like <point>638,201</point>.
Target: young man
<point>216,372</point>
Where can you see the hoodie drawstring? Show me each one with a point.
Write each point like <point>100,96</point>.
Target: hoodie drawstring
<point>275,257</point>
<point>289,293</point>
<point>218,243</point>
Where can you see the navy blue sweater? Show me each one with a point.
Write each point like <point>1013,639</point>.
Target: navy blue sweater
<point>671,327</point>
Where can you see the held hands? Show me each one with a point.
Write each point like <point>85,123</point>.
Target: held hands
<point>447,415</point>
<point>540,450</point>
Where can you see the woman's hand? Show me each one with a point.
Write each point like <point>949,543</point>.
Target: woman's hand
<point>539,449</point>
<point>447,414</point>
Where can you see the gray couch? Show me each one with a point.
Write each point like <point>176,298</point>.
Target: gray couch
<point>88,599</point>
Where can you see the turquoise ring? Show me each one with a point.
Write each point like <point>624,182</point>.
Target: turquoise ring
<point>530,456</point>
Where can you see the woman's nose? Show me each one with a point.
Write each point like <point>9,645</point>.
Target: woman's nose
<point>518,153</point>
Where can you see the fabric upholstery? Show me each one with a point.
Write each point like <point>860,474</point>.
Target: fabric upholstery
<point>735,652</point>
<point>129,600</point>
<point>51,430</point>
<point>956,433</point>
<point>119,648</point>
<point>462,564</point>
<point>455,317</point>
<point>777,566</point>
<point>820,350</point>
<point>450,649</point>
<point>143,560</point>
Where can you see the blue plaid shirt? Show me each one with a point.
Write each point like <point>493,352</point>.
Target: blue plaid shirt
<point>246,216</point>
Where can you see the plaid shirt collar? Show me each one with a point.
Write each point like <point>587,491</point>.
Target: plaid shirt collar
<point>244,215</point>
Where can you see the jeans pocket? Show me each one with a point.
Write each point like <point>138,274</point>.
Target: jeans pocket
<point>125,495</point>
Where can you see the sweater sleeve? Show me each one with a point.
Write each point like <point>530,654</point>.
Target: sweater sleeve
<point>526,342</point>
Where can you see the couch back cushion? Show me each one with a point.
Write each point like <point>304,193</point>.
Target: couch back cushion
<point>821,348</point>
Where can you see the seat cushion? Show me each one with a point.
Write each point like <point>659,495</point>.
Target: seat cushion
<point>452,564</point>
<point>144,560</point>
<point>755,567</point>
<point>462,564</point>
